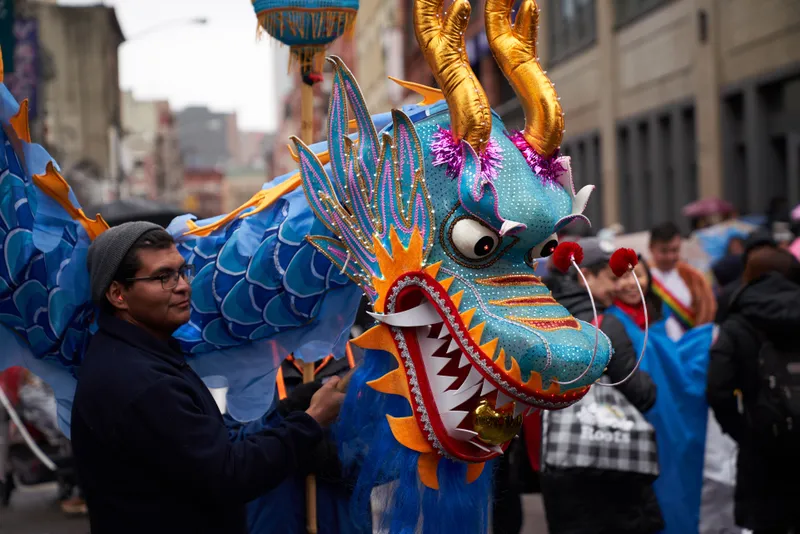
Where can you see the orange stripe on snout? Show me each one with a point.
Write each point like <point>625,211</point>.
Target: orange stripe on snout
<point>568,322</point>
<point>511,280</point>
<point>525,301</point>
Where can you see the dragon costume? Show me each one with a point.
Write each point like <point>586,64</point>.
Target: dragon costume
<point>435,212</point>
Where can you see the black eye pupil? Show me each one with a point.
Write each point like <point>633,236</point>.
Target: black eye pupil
<point>549,248</point>
<point>484,246</point>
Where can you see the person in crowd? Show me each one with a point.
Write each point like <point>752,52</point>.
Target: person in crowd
<point>752,358</point>
<point>152,449</point>
<point>687,295</point>
<point>678,369</point>
<point>758,239</point>
<point>588,500</point>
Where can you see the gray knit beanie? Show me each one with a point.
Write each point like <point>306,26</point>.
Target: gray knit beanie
<point>107,252</point>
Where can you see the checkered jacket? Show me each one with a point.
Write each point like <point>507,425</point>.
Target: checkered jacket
<point>603,431</point>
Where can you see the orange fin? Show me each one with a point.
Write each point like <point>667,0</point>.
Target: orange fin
<point>379,337</point>
<point>407,432</point>
<point>430,95</point>
<point>392,383</point>
<point>20,122</point>
<point>260,201</point>
<point>427,467</point>
<point>54,186</point>
<point>474,471</point>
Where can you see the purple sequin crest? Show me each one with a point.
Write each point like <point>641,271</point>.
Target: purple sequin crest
<point>548,169</point>
<point>447,151</point>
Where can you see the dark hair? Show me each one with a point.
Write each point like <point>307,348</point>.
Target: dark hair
<point>765,260</point>
<point>653,302</point>
<point>596,268</point>
<point>664,232</point>
<point>155,239</point>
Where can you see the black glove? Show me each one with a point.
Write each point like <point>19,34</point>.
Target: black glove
<point>299,399</point>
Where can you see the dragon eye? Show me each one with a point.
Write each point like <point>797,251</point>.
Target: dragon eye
<point>543,249</point>
<point>473,239</point>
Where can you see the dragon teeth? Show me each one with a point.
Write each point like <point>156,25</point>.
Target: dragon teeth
<point>453,418</point>
<point>474,377</point>
<point>488,387</point>
<point>502,399</point>
<point>520,408</point>
<point>464,361</point>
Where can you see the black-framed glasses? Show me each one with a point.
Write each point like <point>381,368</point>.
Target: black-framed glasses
<point>169,280</point>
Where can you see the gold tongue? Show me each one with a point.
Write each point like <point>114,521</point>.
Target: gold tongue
<point>495,427</point>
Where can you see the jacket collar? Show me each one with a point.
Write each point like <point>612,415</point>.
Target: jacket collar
<point>138,337</point>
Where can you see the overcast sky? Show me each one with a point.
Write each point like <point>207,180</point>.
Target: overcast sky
<point>220,64</point>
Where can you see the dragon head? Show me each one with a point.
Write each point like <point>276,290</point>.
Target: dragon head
<point>440,218</point>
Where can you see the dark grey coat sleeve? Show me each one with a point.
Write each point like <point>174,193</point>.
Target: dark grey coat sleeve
<point>639,389</point>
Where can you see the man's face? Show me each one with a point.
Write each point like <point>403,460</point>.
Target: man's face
<point>666,254</point>
<point>148,302</point>
<point>603,285</point>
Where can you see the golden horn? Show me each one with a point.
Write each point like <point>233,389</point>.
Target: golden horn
<point>441,39</point>
<point>514,49</point>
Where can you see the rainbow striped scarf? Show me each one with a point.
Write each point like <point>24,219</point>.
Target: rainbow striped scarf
<point>684,315</point>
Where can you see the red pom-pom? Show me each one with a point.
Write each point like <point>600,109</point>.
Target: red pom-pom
<point>623,260</point>
<point>565,253</point>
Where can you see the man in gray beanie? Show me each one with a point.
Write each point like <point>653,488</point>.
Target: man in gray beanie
<point>152,449</point>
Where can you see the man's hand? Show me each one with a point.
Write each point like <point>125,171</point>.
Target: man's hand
<point>326,403</point>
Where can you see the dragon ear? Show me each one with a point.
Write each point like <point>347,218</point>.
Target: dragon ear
<point>579,199</point>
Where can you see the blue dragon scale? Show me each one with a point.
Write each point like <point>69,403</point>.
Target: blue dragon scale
<point>435,212</point>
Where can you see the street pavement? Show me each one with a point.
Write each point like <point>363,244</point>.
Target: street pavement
<point>35,511</point>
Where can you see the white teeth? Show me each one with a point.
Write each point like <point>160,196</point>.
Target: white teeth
<point>497,449</point>
<point>520,408</point>
<point>452,346</point>
<point>488,387</point>
<point>453,399</point>
<point>473,378</point>
<point>423,315</point>
<point>481,447</point>
<point>437,364</point>
<point>502,399</point>
<point>440,383</point>
<point>451,420</point>
<point>461,434</point>
<point>464,361</point>
<point>444,332</point>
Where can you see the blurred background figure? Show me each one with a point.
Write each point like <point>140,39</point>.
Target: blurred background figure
<point>754,371</point>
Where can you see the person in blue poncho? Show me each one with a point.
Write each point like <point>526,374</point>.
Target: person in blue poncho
<point>681,413</point>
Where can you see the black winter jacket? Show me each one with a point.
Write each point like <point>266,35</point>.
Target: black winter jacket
<point>152,450</point>
<point>767,488</point>
<point>589,501</point>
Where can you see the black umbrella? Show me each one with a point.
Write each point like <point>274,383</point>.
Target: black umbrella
<point>135,209</point>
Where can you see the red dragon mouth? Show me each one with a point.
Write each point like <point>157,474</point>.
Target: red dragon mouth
<point>465,400</point>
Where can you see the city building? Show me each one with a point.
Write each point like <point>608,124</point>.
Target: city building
<point>204,191</point>
<point>290,111</point>
<point>379,47</point>
<point>666,101</point>
<point>66,66</point>
<point>207,139</point>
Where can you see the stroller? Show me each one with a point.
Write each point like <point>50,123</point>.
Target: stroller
<point>20,466</point>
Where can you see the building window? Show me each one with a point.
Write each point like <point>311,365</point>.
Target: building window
<point>657,167</point>
<point>584,154</point>
<point>572,27</point>
<point>626,11</point>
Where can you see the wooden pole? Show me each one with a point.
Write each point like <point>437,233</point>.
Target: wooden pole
<point>307,135</point>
